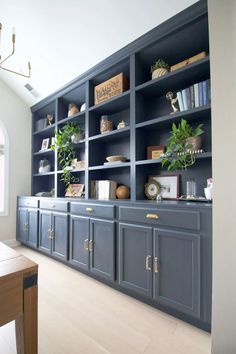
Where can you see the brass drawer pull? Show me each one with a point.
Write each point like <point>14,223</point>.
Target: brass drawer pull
<point>89,210</point>
<point>86,244</point>
<point>52,205</point>
<point>91,246</point>
<point>148,263</point>
<point>152,216</point>
<point>156,270</point>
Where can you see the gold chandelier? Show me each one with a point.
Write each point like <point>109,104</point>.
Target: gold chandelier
<point>2,61</point>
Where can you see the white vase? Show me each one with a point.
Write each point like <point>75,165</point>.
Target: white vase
<point>75,138</point>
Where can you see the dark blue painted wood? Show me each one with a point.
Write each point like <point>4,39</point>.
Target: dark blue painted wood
<point>32,229</point>
<point>21,225</point>
<point>60,235</point>
<point>135,244</point>
<point>45,224</point>
<point>102,251</point>
<point>177,282</point>
<point>79,238</point>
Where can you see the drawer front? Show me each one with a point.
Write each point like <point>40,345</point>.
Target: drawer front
<point>52,204</point>
<point>172,218</point>
<point>28,202</point>
<point>105,211</point>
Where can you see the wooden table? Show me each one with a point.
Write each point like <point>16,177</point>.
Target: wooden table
<point>19,298</point>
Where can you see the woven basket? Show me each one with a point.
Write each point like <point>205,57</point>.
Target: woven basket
<point>159,72</point>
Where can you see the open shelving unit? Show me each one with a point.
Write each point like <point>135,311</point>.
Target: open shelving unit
<point>143,107</point>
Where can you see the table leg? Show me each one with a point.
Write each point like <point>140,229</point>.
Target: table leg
<point>27,324</point>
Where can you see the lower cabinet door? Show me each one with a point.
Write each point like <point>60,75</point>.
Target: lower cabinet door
<point>22,225</point>
<point>102,248</point>
<point>45,228</point>
<point>135,258</point>
<point>32,221</point>
<point>60,235</point>
<point>177,270</point>
<point>79,241</point>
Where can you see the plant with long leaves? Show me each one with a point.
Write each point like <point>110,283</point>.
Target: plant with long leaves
<point>66,151</point>
<point>178,155</point>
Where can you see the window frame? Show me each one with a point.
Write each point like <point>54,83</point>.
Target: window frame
<point>5,211</point>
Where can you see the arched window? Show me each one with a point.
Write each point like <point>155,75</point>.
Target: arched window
<point>4,163</point>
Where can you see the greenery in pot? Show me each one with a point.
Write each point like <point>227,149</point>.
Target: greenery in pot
<point>66,150</point>
<point>178,153</point>
<point>160,64</point>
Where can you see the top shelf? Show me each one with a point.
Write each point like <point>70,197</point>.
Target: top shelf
<point>178,79</point>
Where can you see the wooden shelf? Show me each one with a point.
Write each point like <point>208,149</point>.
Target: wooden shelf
<point>105,167</point>
<point>178,79</point>
<point>114,104</point>
<point>112,135</point>
<point>195,114</point>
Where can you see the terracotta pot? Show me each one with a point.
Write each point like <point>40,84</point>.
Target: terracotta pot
<point>195,141</point>
<point>159,72</point>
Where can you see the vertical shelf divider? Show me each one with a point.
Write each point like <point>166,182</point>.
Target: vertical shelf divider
<point>132,129</point>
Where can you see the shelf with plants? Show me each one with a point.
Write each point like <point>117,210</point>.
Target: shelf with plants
<point>204,155</point>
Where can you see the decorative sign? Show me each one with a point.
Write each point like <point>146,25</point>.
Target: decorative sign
<point>110,88</point>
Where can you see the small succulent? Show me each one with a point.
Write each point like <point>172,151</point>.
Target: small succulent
<point>160,64</point>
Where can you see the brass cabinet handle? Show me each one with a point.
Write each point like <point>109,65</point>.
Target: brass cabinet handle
<point>89,210</point>
<point>156,270</point>
<point>90,246</point>
<point>52,205</point>
<point>152,216</point>
<point>86,244</point>
<point>148,263</point>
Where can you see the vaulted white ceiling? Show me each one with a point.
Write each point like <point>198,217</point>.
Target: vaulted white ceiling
<point>63,39</point>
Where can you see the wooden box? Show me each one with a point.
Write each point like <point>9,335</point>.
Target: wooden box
<point>155,152</point>
<point>188,61</point>
<point>112,87</point>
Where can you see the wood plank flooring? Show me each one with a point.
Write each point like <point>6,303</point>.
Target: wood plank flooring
<point>79,315</point>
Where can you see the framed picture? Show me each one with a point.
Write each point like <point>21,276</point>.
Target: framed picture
<point>45,144</point>
<point>169,185</point>
<point>74,190</point>
<point>155,152</point>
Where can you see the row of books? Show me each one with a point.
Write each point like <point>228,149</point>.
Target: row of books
<point>103,189</point>
<point>194,96</point>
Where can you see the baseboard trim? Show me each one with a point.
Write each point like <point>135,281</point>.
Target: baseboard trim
<point>11,243</point>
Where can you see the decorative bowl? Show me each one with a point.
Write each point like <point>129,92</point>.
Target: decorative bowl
<point>116,158</point>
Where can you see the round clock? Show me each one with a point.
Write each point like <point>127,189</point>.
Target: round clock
<point>152,189</point>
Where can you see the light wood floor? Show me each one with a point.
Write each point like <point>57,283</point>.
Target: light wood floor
<point>79,315</point>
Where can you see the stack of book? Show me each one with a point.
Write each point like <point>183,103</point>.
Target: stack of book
<point>103,189</point>
<point>194,96</point>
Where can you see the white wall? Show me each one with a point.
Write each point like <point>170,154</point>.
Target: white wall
<point>222,15</point>
<point>16,117</point>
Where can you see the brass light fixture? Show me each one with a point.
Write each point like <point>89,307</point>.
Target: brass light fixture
<point>2,61</point>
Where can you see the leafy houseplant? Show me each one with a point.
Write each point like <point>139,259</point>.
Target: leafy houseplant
<point>66,150</point>
<point>179,152</point>
<point>159,68</point>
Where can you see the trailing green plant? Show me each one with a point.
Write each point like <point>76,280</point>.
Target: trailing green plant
<point>66,150</point>
<point>160,64</point>
<point>178,153</point>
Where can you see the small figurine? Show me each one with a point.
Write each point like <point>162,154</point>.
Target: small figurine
<point>121,125</point>
<point>50,119</point>
<point>169,96</point>
<point>159,198</point>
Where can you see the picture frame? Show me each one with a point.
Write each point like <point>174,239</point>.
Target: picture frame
<point>74,190</point>
<point>45,144</point>
<point>169,185</point>
<point>155,151</point>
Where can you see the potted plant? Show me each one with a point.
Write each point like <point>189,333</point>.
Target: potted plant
<point>65,150</point>
<point>181,144</point>
<point>159,68</point>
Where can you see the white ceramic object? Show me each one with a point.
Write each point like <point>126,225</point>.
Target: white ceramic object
<point>208,193</point>
<point>115,158</point>
<point>75,138</point>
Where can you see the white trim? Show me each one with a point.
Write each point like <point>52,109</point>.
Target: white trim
<point>5,211</point>
<point>11,242</point>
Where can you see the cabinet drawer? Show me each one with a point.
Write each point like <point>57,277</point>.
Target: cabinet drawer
<point>172,218</point>
<point>105,211</point>
<point>52,204</point>
<point>28,202</point>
